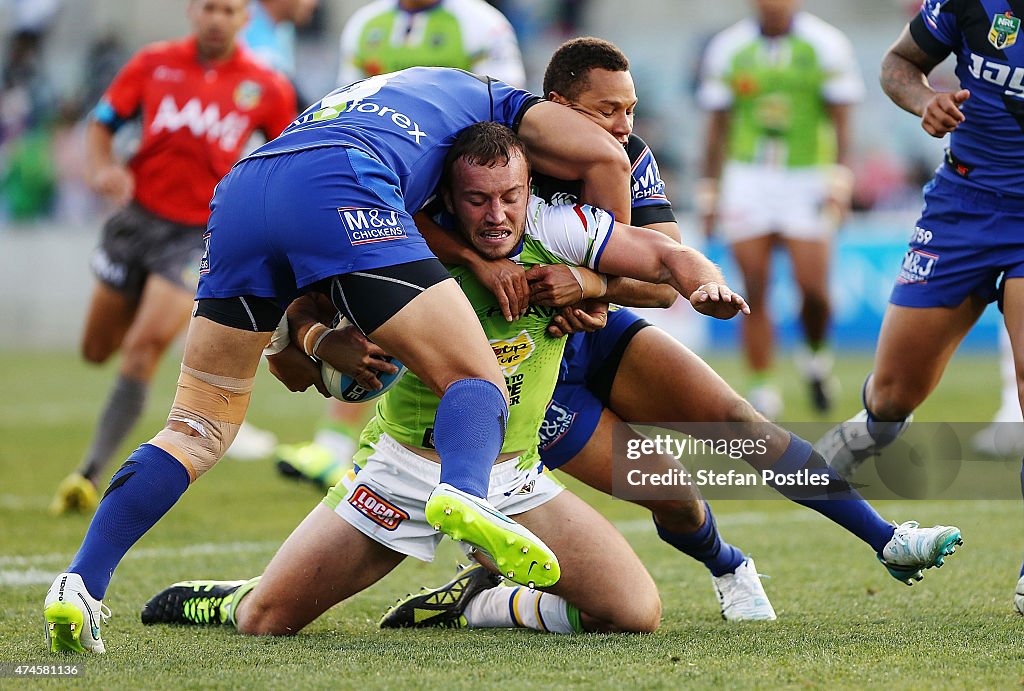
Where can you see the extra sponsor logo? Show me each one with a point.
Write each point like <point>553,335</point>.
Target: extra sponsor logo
<point>107,269</point>
<point>365,225</point>
<point>247,95</point>
<point>163,73</point>
<point>512,352</point>
<point>647,182</point>
<point>774,113</point>
<point>561,199</point>
<point>376,508</point>
<point>203,121</point>
<point>204,261</point>
<point>557,421</point>
<point>1005,28</point>
<point>528,487</point>
<point>1011,79</point>
<point>918,266</point>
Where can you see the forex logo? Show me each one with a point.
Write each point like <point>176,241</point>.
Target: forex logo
<point>352,99</point>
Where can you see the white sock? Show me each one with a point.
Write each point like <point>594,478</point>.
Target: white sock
<point>504,607</point>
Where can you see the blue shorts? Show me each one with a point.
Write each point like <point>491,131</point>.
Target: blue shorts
<point>584,387</point>
<point>964,241</point>
<point>279,224</point>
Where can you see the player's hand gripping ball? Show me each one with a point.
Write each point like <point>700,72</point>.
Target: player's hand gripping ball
<point>348,390</point>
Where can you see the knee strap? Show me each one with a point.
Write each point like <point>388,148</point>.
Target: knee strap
<point>213,407</point>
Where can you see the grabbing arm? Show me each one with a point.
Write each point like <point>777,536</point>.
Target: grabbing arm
<point>647,255</point>
<point>566,145</point>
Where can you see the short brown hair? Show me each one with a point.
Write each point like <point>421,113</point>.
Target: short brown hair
<point>569,67</point>
<point>483,144</point>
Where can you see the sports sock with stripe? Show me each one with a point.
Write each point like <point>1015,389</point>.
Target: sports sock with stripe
<point>140,493</point>
<point>522,607</point>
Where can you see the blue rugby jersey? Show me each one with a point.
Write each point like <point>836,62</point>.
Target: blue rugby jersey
<point>647,189</point>
<point>406,119</point>
<point>989,45</point>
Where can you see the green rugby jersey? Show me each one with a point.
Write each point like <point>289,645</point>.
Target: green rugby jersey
<point>466,34</point>
<point>777,90</point>
<point>529,357</point>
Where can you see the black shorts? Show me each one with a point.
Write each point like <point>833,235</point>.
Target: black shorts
<point>368,298</point>
<point>136,243</point>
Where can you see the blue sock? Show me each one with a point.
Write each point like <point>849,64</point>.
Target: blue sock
<point>705,545</point>
<point>843,505</point>
<point>139,494</point>
<point>469,429</point>
<point>884,432</point>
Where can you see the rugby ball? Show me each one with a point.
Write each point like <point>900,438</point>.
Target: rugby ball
<point>347,389</point>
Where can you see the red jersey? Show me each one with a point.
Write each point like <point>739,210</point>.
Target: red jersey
<point>196,117</point>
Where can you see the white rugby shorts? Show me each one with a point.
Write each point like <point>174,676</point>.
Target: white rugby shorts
<point>757,200</point>
<point>386,499</point>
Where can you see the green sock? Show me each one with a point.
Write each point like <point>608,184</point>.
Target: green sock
<point>574,618</point>
<point>231,604</point>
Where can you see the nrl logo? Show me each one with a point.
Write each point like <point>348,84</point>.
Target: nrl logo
<point>1003,33</point>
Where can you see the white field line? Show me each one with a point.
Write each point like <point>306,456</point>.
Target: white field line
<point>17,502</point>
<point>41,569</point>
<point>31,569</point>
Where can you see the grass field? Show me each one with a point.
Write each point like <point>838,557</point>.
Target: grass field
<point>842,620</point>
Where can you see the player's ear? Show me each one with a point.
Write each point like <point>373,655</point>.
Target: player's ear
<point>556,97</point>
<point>446,197</point>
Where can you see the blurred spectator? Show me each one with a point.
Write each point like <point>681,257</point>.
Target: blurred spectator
<point>27,177</point>
<point>75,204</point>
<point>104,58</point>
<point>389,35</point>
<point>27,98</point>
<point>28,182</point>
<point>779,88</point>
<point>270,33</point>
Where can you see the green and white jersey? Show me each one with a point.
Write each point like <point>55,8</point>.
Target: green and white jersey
<point>529,358</point>
<point>777,90</point>
<point>467,34</point>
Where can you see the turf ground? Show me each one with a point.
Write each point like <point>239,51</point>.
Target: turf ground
<point>842,620</point>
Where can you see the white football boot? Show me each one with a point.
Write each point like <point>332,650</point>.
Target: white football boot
<point>742,596</point>
<point>913,549</point>
<point>73,617</point>
<point>847,445</point>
